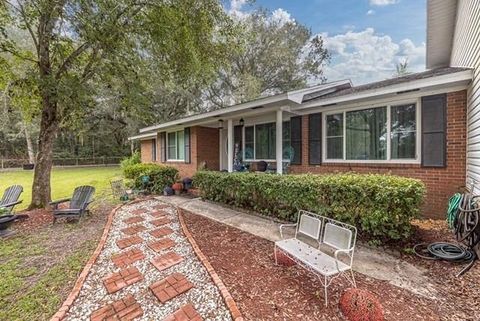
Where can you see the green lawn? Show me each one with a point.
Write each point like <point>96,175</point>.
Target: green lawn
<point>64,180</point>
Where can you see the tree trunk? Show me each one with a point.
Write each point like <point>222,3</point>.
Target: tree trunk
<point>28,138</point>
<point>41,192</point>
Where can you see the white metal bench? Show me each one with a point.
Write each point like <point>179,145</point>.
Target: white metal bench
<point>319,231</point>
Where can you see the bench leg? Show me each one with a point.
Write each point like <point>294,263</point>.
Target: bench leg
<point>353,278</point>
<point>325,284</point>
<point>275,253</point>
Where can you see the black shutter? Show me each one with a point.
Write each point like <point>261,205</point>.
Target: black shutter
<point>315,139</point>
<point>296,139</point>
<point>237,138</point>
<point>186,136</point>
<point>163,147</point>
<point>434,129</point>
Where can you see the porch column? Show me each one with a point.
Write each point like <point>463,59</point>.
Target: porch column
<point>278,141</point>
<point>230,145</point>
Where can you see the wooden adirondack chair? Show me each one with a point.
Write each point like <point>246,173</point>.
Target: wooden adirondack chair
<point>10,198</point>
<point>82,197</point>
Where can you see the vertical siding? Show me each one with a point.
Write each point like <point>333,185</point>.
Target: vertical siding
<point>466,53</point>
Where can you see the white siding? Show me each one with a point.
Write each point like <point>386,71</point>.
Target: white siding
<point>466,53</point>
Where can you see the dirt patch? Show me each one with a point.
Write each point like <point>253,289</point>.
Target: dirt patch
<point>265,291</point>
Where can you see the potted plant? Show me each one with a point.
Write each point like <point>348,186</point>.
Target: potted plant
<point>177,187</point>
<point>187,183</point>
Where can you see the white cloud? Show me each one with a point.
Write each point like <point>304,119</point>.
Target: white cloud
<point>281,16</point>
<point>236,7</point>
<point>383,2</point>
<point>367,56</point>
<point>370,12</point>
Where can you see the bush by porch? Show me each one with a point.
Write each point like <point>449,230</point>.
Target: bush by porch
<point>381,206</point>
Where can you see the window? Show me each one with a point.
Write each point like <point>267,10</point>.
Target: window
<point>176,145</point>
<point>403,132</point>
<point>335,136</point>
<point>366,132</point>
<point>378,134</point>
<point>154,150</point>
<point>260,140</point>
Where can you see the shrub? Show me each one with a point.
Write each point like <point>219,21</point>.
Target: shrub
<point>380,206</point>
<point>132,160</point>
<point>360,305</point>
<point>160,176</point>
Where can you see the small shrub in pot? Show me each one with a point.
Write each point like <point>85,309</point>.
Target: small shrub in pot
<point>360,305</point>
<point>177,187</point>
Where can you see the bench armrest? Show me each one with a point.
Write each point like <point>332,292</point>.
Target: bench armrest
<point>343,251</point>
<point>10,204</point>
<point>57,202</point>
<point>282,226</point>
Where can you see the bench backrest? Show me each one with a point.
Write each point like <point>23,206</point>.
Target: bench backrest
<point>82,196</point>
<point>337,236</point>
<point>11,195</point>
<point>309,225</point>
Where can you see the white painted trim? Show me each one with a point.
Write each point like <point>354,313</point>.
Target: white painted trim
<point>230,145</point>
<point>279,140</point>
<point>176,147</point>
<point>143,137</point>
<point>389,160</point>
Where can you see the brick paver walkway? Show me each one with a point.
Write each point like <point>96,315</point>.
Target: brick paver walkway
<point>160,221</point>
<point>128,241</point>
<point>117,281</point>
<point>161,232</point>
<point>125,309</point>
<point>127,257</point>
<point>133,220</point>
<point>170,287</point>
<point>134,229</point>
<point>158,214</point>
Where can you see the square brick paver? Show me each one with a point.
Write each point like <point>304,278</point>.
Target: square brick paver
<point>133,220</point>
<point>166,260</point>
<point>139,211</point>
<point>160,221</point>
<point>125,309</point>
<point>134,229</point>
<point>185,313</point>
<point>170,287</point>
<point>161,232</point>
<point>162,244</point>
<point>161,206</point>
<point>158,214</point>
<point>128,241</point>
<point>117,281</point>
<point>127,257</point>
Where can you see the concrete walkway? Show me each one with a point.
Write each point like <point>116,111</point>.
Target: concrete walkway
<point>369,261</point>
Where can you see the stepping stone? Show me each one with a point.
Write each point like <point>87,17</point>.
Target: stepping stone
<point>117,281</point>
<point>162,244</point>
<point>185,313</point>
<point>161,232</point>
<point>127,257</point>
<point>134,229</point>
<point>125,309</point>
<point>129,241</point>
<point>167,260</point>
<point>133,220</point>
<point>139,211</point>
<point>170,287</point>
<point>158,214</point>
<point>160,221</point>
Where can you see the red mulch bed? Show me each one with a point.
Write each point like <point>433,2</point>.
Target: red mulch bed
<point>265,291</point>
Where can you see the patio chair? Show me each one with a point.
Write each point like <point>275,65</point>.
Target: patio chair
<point>10,198</point>
<point>82,197</point>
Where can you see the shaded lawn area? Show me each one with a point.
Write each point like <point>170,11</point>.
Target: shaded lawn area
<point>64,180</point>
<point>39,266</point>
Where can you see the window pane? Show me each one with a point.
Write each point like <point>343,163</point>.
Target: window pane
<point>265,141</point>
<point>403,132</point>
<point>172,151</point>
<point>335,136</point>
<point>366,134</point>
<point>154,150</point>
<point>180,145</point>
<point>249,142</point>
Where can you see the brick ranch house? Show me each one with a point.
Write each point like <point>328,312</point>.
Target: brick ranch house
<point>422,125</point>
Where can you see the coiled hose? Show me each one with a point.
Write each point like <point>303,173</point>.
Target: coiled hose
<point>463,217</point>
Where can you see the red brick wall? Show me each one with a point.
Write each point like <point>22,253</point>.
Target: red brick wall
<point>441,183</point>
<point>204,142</point>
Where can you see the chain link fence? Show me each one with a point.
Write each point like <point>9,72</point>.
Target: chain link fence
<point>6,163</point>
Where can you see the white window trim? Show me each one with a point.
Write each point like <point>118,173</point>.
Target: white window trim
<point>176,146</point>
<point>255,159</point>
<point>389,160</point>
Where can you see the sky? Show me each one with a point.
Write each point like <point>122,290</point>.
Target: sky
<point>366,38</point>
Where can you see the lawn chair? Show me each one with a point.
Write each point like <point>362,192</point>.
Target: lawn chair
<point>82,197</point>
<point>10,198</point>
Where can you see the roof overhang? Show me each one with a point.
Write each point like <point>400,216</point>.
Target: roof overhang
<point>441,19</point>
<point>143,136</point>
<point>287,101</point>
<point>458,80</point>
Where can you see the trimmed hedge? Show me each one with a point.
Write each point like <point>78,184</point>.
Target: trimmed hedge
<point>380,206</point>
<point>160,176</point>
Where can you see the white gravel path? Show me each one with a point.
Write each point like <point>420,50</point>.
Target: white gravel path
<point>205,296</point>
